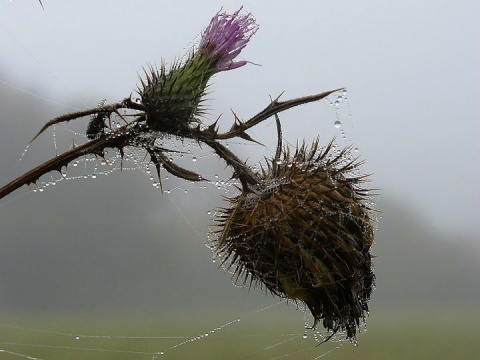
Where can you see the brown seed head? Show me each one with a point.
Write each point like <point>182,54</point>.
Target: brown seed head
<point>305,233</point>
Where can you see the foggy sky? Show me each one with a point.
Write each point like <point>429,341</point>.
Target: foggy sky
<point>411,69</point>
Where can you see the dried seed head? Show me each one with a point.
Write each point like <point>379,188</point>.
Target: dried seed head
<point>305,233</point>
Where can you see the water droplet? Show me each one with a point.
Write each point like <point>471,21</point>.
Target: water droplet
<point>94,176</point>
<point>356,149</point>
<point>337,124</point>
<point>216,176</point>
<point>336,103</point>
<point>304,336</point>
<point>77,337</point>
<point>194,159</point>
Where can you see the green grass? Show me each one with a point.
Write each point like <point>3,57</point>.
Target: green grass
<point>428,335</point>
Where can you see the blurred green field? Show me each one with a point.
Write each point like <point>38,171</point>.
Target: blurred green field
<point>404,335</point>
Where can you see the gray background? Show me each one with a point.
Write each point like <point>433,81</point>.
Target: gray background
<point>115,244</point>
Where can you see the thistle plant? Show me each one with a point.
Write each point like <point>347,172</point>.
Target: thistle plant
<point>302,227</point>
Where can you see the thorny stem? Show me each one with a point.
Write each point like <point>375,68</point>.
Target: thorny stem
<point>55,164</point>
<point>278,152</point>
<point>246,176</point>
<point>124,104</point>
<point>274,107</point>
<point>124,136</point>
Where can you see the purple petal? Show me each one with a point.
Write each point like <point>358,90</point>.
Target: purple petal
<point>225,37</point>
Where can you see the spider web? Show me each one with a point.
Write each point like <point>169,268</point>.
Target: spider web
<point>293,340</point>
<point>267,328</point>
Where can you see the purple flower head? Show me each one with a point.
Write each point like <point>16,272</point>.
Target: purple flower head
<point>225,37</point>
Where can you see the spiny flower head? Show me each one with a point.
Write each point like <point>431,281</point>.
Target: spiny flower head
<point>172,98</point>
<point>305,233</point>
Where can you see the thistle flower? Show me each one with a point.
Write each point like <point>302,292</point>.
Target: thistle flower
<point>224,39</point>
<point>172,98</point>
<point>304,233</point>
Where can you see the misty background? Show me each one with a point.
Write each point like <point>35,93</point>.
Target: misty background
<point>116,245</point>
